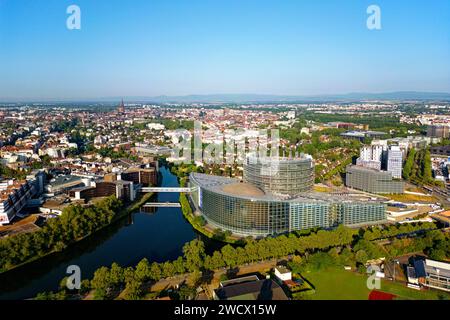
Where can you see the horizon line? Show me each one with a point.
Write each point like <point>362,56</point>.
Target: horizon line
<point>244,96</point>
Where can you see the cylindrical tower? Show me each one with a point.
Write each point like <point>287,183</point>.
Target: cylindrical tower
<point>280,176</point>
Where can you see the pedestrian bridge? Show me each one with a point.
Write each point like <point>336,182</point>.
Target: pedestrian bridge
<point>162,205</point>
<point>166,189</point>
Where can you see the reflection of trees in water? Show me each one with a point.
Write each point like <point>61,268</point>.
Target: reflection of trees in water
<point>21,276</point>
<point>41,275</point>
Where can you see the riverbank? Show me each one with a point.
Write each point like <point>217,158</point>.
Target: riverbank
<point>211,283</point>
<point>123,212</point>
<point>138,203</point>
<point>157,235</point>
<point>189,215</point>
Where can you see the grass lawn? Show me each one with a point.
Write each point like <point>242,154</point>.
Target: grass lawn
<point>411,198</point>
<point>336,284</point>
<point>404,293</point>
<point>319,188</point>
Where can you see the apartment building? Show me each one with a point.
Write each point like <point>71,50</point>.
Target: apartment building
<point>14,196</point>
<point>395,161</point>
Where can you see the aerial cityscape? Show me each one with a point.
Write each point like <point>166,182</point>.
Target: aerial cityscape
<point>137,171</point>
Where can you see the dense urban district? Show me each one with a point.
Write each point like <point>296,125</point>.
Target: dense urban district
<point>347,192</point>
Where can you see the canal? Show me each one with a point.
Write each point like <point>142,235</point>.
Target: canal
<point>158,235</point>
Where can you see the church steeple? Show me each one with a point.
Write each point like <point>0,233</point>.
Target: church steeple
<point>121,107</point>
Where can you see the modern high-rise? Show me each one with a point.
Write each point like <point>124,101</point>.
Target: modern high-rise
<point>372,156</point>
<point>395,161</point>
<point>259,207</point>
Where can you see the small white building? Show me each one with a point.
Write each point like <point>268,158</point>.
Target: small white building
<point>155,126</point>
<point>282,273</point>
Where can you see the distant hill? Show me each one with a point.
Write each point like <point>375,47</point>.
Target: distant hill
<point>261,98</point>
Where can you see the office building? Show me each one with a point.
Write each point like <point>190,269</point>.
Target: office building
<point>64,184</point>
<point>145,176</point>
<point>438,131</point>
<point>372,180</point>
<point>395,161</point>
<point>123,190</point>
<point>280,176</point>
<point>441,150</point>
<point>362,135</point>
<point>258,207</point>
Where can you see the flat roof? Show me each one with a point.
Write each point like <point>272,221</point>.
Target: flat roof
<point>242,189</point>
<point>61,180</point>
<point>252,290</point>
<point>282,269</point>
<point>233,187</point>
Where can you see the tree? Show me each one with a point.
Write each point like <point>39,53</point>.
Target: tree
<point>407,169</point>
<point>85,287</point>
<point>427,177</point>
<point>437,254</point>
<point>74,223</point>
<point>229,255</point>
<point>194,252</point>
<point>101,282</point>
<point>346,257</point>
<point>168,269</point>
<point>128,274</point>
<point>179,266</point>
<point>142,272</point>
<point>217,260</point>
<point>133,289</point>
<point>186,293</point>
<point>195,278</point>
<point>361,257</point>
<point>155,271</point>
<point>116,274</point>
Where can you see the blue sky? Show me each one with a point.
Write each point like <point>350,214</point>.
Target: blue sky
<point>179,47</point>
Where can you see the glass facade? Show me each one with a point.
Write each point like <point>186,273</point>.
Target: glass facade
<point>283,176</point>
<point>240,216</point>
<point>360,213</point>
<point>373,181</point>
<point>309,215</point>
<point>262,216</point>
<point>276,197</point>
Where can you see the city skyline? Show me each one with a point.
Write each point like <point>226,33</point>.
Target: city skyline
<point>207,48</point>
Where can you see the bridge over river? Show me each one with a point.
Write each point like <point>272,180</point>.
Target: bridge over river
<point>166,189</point>
<point>162,205</point>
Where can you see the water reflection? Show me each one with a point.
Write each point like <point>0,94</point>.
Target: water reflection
<point>156,233</point>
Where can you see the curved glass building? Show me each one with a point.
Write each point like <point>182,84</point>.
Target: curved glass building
<point>259,207</point>
<point>280,176</point>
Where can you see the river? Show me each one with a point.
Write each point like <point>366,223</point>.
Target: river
<point>157,236</point>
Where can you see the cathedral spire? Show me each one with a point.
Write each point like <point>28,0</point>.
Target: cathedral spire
<point>121,107</point>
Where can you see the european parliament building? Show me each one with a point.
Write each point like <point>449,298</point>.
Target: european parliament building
<point>275,197</point>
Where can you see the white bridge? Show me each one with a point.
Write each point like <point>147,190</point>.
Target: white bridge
<point>162,205</point>
<point>167,189</point>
